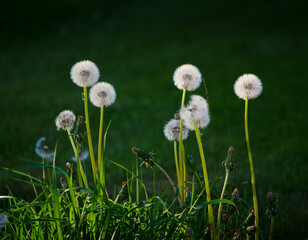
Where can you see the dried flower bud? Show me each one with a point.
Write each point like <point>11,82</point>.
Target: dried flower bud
<point>237,234</point>
<point>80,120</point>
<point>225,217</point>
<point>177,116</point>
<point>68,165</point>
<point>231,150</point>
<point>235,193</point>
<point>251,228</point>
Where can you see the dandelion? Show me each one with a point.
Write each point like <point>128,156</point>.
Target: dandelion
<point>102,94</point>
<point>248,86</point>
<point>42,150</point>
<point>82,156</point>
<point>172,130</point>
<point>197,111</point>
<point>85,73</point>
<point>65,120</point>
<point>187,77</point>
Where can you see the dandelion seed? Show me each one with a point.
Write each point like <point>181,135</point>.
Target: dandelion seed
<point>85,73</point>
<point>172,130</point>
<point>197,111</point>
<point>102,94</point>
<point>82,156</point>
<point>65,120</point>
<point>187,77</point>
<point>248,86</point>
<point>43,150</point>
<point>3,220</point>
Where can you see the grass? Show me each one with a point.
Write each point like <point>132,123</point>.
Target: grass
<point>137,47</point>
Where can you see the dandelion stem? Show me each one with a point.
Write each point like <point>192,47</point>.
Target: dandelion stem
<point>101,167</point>
<point>221,197</point>
<point>272,229</point>
<point>89,133</point>
<point>176,161</point>
<point>206,182</point>
<point>137,180</point>
<point>252,172</point>
<point>79,165</point>
<point>182,162</point>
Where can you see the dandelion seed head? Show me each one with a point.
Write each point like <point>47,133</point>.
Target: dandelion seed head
<point>187,77</point>
<point>82,156</point>
<point>172,130</point>
<point>85,73</point>
<point>102,94</point>
<point>65,120</point>
<point>197,110</point>
<point>43,150</point>
<point>248,86</point>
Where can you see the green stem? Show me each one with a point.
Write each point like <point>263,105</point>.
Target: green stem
<point>79,165</point>
<point>272,229</point>
<point>101,167</point>
<point>167,176</point>
<point>182,163</point>
<point>176,161</point>
<point>89,134</point>
<point>220,204</point>
<point>252,172</point>
<point>137,180</point>
<point>206,182</point>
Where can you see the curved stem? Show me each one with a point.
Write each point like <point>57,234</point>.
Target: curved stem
<point>220,204</point>
<point>89,133</point>
<point>252,172</point>
<point>78,167</point>
<point>206,182</point>
<point>167,176</point>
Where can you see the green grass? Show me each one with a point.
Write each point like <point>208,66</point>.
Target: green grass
<point>137,47</point>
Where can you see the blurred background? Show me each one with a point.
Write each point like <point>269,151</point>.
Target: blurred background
<point>137,45</point>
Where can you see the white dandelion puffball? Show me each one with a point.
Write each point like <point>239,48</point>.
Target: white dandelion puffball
<point>85,73</point>
<point>65,120</point>
<point>187,77</point>
<point>197,110</point>
<point>43,150</point>
<point>172,130</point>
<point>82,156</point>
<point>248,86</point>
<point>102,94</point>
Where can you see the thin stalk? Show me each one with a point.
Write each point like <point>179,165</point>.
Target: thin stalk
<point>89,134</point>
<point>79,165</point>
<point>167,176</point>
<point>154,181</point>
<point>43,162</point>
<point>137,180</point>
<point>221,197</point>
<point>272,229</point>
<point>183,173</point>
<point>206,182</point>
<point>176,162</point>
<point>252,172</point>
<point>100,167</point>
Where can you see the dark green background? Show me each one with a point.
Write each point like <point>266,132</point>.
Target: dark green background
<point>137,45</point>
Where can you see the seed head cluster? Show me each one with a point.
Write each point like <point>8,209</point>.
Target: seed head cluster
<point>248,86</point>
<point>187,77</point>
<point>172,130</point>
<point>102,94</point>
<point>65,120</point>
<point>85,73</point>
<point>197,110</point>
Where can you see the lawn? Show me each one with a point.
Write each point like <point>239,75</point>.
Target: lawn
<point>137,46</point>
